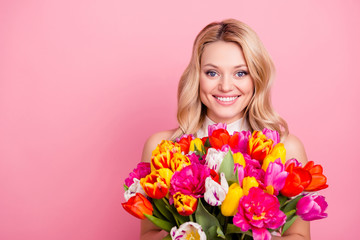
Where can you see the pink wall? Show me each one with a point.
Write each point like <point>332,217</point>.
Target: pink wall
<point>84,83</point>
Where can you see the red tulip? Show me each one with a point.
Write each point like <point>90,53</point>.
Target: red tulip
<point>138,205</point>
<point>219,138</point>
<point>184,143</point>
<point>318,180</point>
<point>296,182</point>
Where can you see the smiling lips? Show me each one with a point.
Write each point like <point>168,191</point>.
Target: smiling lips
<point>226,100</point>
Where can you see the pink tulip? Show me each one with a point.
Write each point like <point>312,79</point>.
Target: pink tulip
<point>275,175</point>
<point>212,128</point>
<point>312,207</point>
<point>272,134</point>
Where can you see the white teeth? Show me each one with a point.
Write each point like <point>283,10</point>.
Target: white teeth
<point>227,99</point>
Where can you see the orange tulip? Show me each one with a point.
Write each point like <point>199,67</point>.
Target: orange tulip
<point>163,153</point>
<point>318,180</point>
<point>179,161</point>
<point>185,204</point>
<point>138,205</point>
<point>157,183</point>
<point>259,146</point>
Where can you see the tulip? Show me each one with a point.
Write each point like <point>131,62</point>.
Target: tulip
<point>219,138</point>
<point>239,159</point>
<point>133,189</point>
<point>272,134</point>
<point>214,158</point>
<point>179,161</point>
<point>161,160</point>
<point>238,142</point>
<point>296,182</point>
<point>259,146</point>
<point>275,177</point>
<point>141,170</point>
<point>213,127</point>
<point>163,153</point>
<point>138,205</point>
<point>293,162</point>
<point>277,152</point>
<point>167,146</point>
<point>184,142</point>
<point>229,207</point>
<point>188,230</point>
<point>318,180</point>
<point>197,145</point>
<point>185,204</point>
<point>312,207</point>
<point>190,181</point>
<point>248,183</point>
<point>215,193</point>
<point>157,183</point>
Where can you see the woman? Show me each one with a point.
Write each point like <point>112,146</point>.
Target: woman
<point>228,80</point>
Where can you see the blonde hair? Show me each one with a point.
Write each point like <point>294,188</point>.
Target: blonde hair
<point>259,112</point>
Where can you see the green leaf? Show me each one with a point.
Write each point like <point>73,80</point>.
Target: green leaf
<point>156,213</point>
<point>291,204</point>
<point>161,206</point>
<point>215,232</point>
<point>160,222</point>
<point>231,229</point>
<point>204,218</point>
<point>220,232</point>
<point>178,218</point>
<point>282,199</point>
<point>288,224</point>
<point>198,151</point>
<point>290,213</point>
<point>207,143</point>
<point>126,187</point>
<point>227,167</point>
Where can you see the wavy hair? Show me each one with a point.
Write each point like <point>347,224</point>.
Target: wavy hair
<point>259,112</point>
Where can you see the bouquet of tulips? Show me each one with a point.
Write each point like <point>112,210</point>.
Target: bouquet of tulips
<point>225,187</point>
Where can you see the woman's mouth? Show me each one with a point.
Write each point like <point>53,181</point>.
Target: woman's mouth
<point>226,100</point>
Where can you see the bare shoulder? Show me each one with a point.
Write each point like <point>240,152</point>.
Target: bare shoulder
<point>153,141</point>
<point>294,148</point>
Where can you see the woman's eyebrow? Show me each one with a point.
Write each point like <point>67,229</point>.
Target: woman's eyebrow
<point>214,66</point>
<point>210,65</point>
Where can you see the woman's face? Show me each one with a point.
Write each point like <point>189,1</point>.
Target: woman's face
<point>226,87</point>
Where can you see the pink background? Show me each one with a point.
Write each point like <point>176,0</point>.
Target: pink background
<point>84,83</point>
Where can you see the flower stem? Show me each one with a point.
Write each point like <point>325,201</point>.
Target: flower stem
<point>191,218</point>
<point>243,236</point>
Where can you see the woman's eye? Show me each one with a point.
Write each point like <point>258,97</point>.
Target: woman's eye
<point>211,73</point>
<point>241,74</point>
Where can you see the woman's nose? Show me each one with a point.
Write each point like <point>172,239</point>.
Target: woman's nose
<point>226,83</point>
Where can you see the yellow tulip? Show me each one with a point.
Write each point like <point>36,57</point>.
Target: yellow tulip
<point>278,151</point>
<point>179,161</point>
<point>249,182</point>
<point>239,158</point>
<point>196,144</point>
<point>230,205</point>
